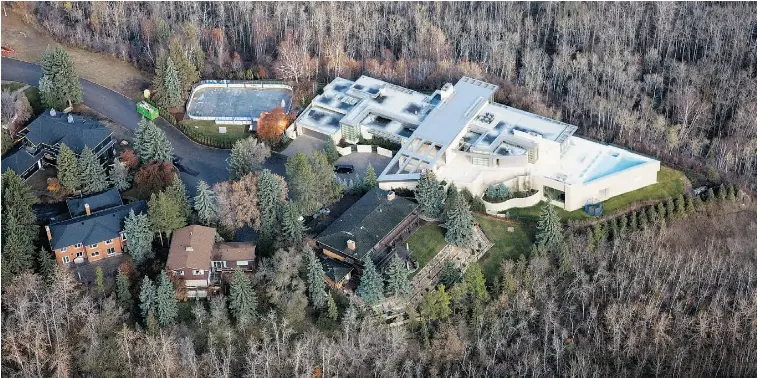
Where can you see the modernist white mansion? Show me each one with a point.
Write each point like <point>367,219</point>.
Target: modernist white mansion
<point>468,139</point>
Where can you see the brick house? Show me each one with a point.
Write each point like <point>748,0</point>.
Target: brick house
<point>197,259</point>
<point>374,227</point>
<point>94,230</point>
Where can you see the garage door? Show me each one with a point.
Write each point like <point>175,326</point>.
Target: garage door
<point>314,134</point>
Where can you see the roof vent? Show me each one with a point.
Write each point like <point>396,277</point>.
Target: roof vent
<point>447,91</point>
<point>52,112</point>
<point>390,196</point>
<point>351,244</point>
<point>70,118</point>
<point>190,249</point>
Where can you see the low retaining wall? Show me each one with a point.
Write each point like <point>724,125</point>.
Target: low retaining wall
<point>384,152</point>
<point>494,208</point>
<point>364,148</point>
<point>344,150</point>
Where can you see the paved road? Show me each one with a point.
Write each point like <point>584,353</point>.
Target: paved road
<point>209,163</point>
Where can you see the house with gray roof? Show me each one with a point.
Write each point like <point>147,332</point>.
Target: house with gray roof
<point>374,227</point>
<point>95,229</point>
<point>23,161</point>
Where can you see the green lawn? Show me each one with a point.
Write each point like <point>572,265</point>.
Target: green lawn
<point>670,183</point>
<point>426,243</point>
<point>507,245</point>
<point>210,129</point>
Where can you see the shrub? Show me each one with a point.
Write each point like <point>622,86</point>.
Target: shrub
<point>497,193</point>
<point>477,205</point>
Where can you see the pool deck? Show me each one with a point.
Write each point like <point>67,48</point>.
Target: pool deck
<point>236,102</point>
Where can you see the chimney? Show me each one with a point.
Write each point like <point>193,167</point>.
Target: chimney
<point>189,249</point>
<point>86,209</point>
<point>49,234</point>
<point>52,112</point>
<point>390,196</point>
<point>446,91</point>
<point>70,118</point>
<point>351,244</point>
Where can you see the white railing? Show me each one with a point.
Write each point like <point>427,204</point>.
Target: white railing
<point>494,208</point>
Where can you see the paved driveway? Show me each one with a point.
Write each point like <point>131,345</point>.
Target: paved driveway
<point>305,144</point>
<point>361,161</point>
<point>209,163</point>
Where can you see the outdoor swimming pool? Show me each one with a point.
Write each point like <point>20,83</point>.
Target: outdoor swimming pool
<point>610,162</point>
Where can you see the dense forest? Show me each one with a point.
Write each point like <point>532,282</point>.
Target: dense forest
<point>677,301</point>
<point>673,80</point>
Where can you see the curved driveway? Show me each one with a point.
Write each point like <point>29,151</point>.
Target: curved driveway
<point>209,163</point>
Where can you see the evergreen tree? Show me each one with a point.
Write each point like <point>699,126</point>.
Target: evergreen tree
<point>670,208</point>
<point>93,177</point>
<point>370,181</point>
<point>710,195</point>
<point>139,237</point>
<point>474,287</point>
<point>331,310</point>
<point>661,211</point>
<point>99,280</point>
<point>651,215</point>
<point>162,150</point>
<point>69,174</point>
<point>451,196</point>
<point>459,224</point>
<point>178,192</point>
<point>172,85</point>
<point>330,150</point>
<point>698,203</point>
<point>59,86</point>
<point>435,304</point>
<point>187,73</point>
<point>316,283</point>
<point>151,143</point>
<point>430,195</point>
<point>123,291</point>
<point>634,222</point>
<point>119,175</point>
<point>302,183</point>
<point>550,233</point>
<point>689,204</point>
<point>722,195</point>
<point>247,156</point>
<point>371,287</point>
<point>623,224</point>
<point>732,193</point>
<point>45,263</point>
<point>680,205</point>
<point>242,300</point>
<point>450,274</point>
<point>166,305</point>
<point>165,214</point>
<point>292,229</point>
<point>398,283</point>
<point>19,226</point>
<point>642,219</point>
<point>269,206</point>
<point>205,204</point>
<point>147,299</point>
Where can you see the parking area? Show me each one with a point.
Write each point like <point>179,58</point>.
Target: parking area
<point>305,144</point>
<point>360,161</point>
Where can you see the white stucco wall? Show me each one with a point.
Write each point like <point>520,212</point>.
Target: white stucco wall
<point>493,208</point>
<point>616,184</point>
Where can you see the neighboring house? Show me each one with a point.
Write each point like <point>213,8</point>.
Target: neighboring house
<point>43,137</point>
<point>466,138</point>
<point>95,229</point>
<point>374,227</point>
<point>23,160</point>
<point>196,258</point>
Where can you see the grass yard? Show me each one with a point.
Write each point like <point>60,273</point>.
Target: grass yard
<point>507,245</point>
<point>670,183</point>
<point>425,243</point>
<point>210,129</point>
<point>12,86</point>
<point>32,94</point>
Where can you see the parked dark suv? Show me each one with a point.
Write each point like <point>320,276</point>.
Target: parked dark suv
<point>344,168</point>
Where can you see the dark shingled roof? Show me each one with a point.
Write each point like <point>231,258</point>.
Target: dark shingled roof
<point>335,269</point>
<point>53,130</point>
<point>100,226</point>
<point>107,199</point>
<point>20,160</point>
<point>366,222</point>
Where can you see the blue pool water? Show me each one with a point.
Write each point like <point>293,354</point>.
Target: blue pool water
<point>611,163</point>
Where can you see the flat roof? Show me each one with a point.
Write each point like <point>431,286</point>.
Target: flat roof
<point>585,161</point>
